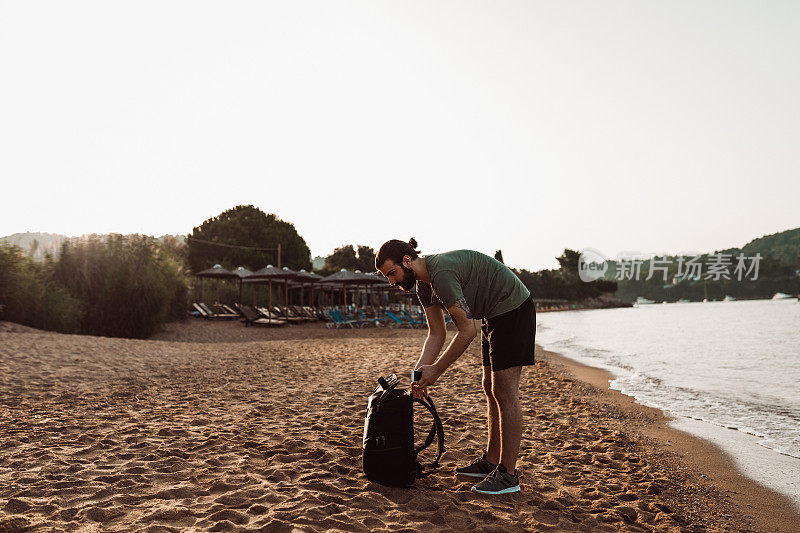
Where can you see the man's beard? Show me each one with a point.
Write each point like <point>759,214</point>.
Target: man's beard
<point>409,278</point>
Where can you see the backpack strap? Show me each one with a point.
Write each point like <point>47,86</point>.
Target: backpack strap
<point>436,431</point>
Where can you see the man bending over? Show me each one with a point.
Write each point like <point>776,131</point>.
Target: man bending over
<point>471,285</point>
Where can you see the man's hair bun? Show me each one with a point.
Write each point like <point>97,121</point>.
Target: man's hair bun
<point>395,250</point>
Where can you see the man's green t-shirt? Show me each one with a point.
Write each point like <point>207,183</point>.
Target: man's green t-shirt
<point>488,286</point>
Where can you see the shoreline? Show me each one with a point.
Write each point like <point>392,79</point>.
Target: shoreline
<point>708,462</point>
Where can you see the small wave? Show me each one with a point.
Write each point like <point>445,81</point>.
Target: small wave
<point>775,431</point>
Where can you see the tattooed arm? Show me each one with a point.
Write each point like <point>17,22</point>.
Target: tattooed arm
<point>461,303</point>
<point>466,333</point>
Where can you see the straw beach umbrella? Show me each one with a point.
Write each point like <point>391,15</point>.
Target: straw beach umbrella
<point>269,273</point>
<point>288,274</point>
<point>304,277</point>
<point>242,272</point>
<point>219,273</point>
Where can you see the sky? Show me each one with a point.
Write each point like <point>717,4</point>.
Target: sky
<point>528,127</point>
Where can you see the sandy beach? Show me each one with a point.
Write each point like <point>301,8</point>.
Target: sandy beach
<point>214,426</point>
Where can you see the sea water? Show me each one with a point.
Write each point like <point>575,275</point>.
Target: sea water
<point>733,364</point>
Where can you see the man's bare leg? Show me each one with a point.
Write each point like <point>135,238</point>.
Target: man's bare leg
<point>492,417</point>
<point>505,390</point>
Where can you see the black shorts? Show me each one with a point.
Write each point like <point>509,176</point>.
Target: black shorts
<point>508,340</point>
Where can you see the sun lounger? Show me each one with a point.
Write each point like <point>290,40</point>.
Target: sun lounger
<point>281,313</point>
<point>334,321</point>
<point>303,313</point>
<point>291,310</point>
<point>227,309</point>
<point>358,319</point>
<point>295,311</point>
<point>415,323</point>
<point>264,313</point>
<point>204,311</point>
<point>315,311</point>
<point>373,320</point>
<point>251,318</point>
<point>338,321</point>
<point>210,313</point>
<point>199,312</point>
<point>398,321</point>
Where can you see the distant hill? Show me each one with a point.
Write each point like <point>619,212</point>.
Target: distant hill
<point>779,271</point>
<point>36,245</point>
<point>180,238</point>
<point>785,246</point>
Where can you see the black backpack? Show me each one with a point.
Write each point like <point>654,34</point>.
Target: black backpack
<point>389,454</point>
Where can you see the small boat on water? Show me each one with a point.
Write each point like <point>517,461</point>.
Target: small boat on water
<point>729,299</point>
<point>782,296</point>
<point>643,301</point>
<point>683,301</point>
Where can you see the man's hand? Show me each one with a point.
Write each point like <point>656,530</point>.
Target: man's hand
<point>430,374</point>
<point>418,392</point>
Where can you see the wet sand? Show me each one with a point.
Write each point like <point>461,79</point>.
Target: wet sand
<point>213,426</point>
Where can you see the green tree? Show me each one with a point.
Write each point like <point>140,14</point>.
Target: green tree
<point>347,256</point>
<point>246,236</point>
<point>564,283</point>
<point>30,296</point>
<point>366,258</point>
<point>568,262</point>
<point>499,256</point>
<point>129,286</point>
